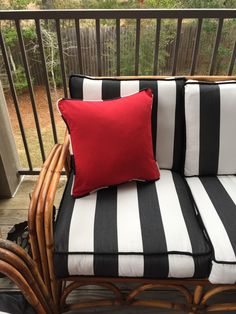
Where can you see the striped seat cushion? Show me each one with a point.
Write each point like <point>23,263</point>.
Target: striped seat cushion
<point>210,110</point>
<point>135,229</point>
<point>167,110</point>
<point>215,198</point>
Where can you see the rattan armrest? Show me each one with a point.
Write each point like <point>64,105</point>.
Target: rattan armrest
<point>41,208</point>
<point>33,205</point>
<point>48,214</point>
<point>42,201</point>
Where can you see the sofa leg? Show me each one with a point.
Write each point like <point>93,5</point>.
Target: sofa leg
<point>197,296</point>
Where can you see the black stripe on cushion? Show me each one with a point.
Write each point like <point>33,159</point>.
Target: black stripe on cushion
<point>209,129</point>
<point>152,230</point>
<point>76,87</point>
<point>105,231</point>
<point>153,86</point>
<point>110,89</point>
<point>180,136</point>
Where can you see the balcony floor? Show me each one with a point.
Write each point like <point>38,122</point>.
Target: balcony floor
<point>15,210</point>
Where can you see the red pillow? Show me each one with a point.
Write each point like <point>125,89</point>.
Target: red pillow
<point>111,141</point>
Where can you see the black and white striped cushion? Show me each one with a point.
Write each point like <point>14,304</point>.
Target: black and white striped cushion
<point>132,230</point>
<point>210,111</point>
<point>167,111</point>
<point>215,198</point>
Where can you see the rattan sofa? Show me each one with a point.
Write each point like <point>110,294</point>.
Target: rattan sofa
<point>156,235</point>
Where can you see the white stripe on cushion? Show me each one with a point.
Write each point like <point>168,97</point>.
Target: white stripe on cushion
<point>166,94</point>
<point>81,236</point>
<point>177,239</point>
<point>227,149</point>
<point>81,264</point>
<point>192,114</point>
<point>222,273</point>
<point>129,229</point>
<point>128,88</point>
<point>92,89</point>
<point>212,222</point>
<point>229,183</point>
<point>181,266</point>
<point>131,265</point>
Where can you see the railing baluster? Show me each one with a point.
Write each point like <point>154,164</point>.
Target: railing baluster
<point>31,92</point>
<point>196,47</point>
<point>232,60</point>
<point>79,51</point>
<point>98,39</point>
<point>216,46</point>
<point>177,42</point>
<point>117,47</point>
<point>137,46</point>
<point>62,62</point>
<point>157,43</point>
<point>46,80</point>
<point>15,99</point>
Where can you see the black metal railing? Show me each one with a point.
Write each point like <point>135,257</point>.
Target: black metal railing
<point>16,17</point>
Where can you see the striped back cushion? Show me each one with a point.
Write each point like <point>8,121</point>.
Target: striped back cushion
<point>167,111</point>
<point>210,112</point>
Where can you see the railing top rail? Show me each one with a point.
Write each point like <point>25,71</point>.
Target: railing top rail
<point>117,14</point>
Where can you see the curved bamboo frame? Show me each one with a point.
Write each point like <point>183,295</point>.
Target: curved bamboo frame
<point>20,268</point>
<point>32,210</point>
<point>195,302</point>
<point>41,236</point>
